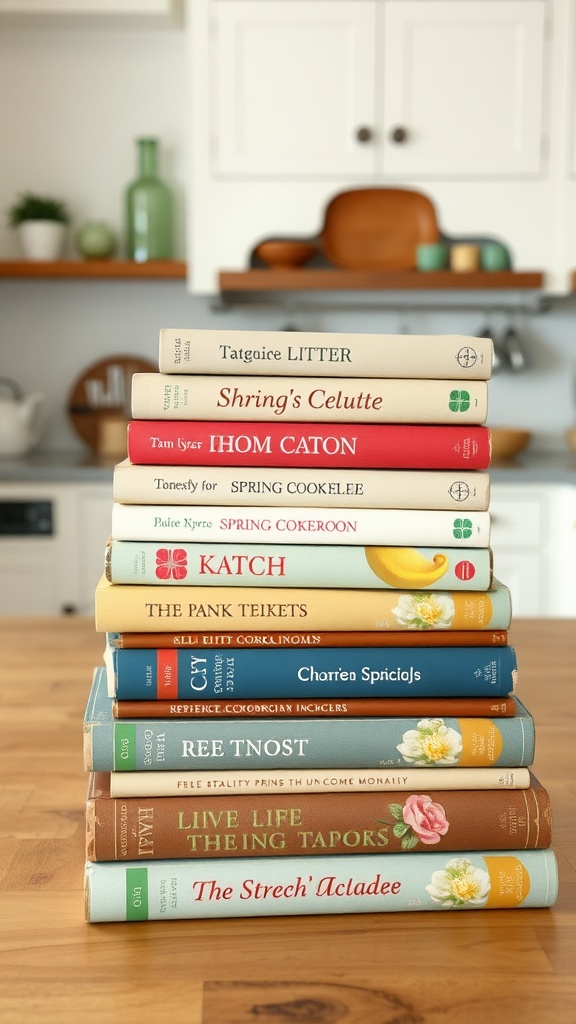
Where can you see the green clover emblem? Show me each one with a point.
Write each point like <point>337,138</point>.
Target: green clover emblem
<point>459,401</point>
<point>462,528</point>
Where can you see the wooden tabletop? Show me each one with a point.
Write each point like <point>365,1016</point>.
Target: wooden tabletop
<point>517,966</point>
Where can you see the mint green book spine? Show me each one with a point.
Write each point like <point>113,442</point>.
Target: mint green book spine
<point>296,565</point>
<point>341,884</point>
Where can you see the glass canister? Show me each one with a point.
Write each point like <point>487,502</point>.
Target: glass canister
<point>149,209</point>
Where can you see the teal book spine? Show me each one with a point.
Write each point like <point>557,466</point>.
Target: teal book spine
<point>264,524</point>
<point>339,884</point>
<point>299,565</point>
<point>326,672</point>
<point>166,744</point>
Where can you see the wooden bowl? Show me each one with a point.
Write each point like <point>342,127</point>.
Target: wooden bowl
<point>284,255</point>
<point>507,442</point>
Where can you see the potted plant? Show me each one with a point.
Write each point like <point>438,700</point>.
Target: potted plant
<point>41,223</point>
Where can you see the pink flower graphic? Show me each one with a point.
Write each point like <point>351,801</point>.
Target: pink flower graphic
<point>171,564</point>
<point>419,820</point>
<point>426,818</point>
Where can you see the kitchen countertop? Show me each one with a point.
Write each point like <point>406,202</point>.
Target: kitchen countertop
<point>57,467</point>
<point>558,467</point>
<point>442,967</point>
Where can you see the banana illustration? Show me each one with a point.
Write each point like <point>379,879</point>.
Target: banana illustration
<point>406,567</point>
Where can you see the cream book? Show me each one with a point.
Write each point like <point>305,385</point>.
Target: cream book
<point>157,396</point>
<point>325,354</point>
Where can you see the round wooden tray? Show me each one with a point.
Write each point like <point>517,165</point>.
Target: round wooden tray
<point>378,228</point>
<point>102,392</point>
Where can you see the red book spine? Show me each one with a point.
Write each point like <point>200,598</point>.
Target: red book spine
<point>360,445</point>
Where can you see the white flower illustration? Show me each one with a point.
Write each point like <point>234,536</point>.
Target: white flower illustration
<point>459,884</point>
<point>431,743</point>
<point>424,611</point>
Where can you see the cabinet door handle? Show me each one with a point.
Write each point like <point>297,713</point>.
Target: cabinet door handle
<point>364,134</point>
<point>399,134</point>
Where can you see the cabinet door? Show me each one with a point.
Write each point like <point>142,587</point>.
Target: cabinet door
<point>29,568</point>
<point>94,515</point>
<point>522,573</point>
<point>294,84</point>
<point>462,88</point>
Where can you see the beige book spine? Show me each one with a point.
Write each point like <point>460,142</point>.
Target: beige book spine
<point>331,488</point>
<point>312,353</point>
<point>157,396</point>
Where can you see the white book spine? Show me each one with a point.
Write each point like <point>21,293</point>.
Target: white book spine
<point>419,527</point>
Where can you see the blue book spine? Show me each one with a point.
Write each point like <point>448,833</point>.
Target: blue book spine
<point>167,744</point>
<point>176,674</point>
<point>339,884</point>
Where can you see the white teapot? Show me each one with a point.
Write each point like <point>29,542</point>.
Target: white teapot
<point>21,419</point>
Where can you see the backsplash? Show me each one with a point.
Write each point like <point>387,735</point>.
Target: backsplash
<point>51,331</point>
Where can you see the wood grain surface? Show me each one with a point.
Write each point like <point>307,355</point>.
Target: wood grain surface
<point>431,968</point>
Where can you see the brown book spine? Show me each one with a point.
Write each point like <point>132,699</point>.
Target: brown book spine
<point>367,638</point>
<point>151,828</point>
<point>452,707</point>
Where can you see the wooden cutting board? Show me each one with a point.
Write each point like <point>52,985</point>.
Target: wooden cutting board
<point>103,392</point>
<point>378,228</point>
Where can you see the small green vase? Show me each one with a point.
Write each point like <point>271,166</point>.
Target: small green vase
<point>149,209</point>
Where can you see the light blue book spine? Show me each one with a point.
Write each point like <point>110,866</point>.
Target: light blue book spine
<point>341,884</point>
<point>184,674</point>
<point>297,565</point>
<point>166,744</point>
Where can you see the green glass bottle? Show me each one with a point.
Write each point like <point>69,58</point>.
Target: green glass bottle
<point>149,209</point>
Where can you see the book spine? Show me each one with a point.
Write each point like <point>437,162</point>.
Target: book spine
<point>312,353</point>
<point>157,396</point>
<point>269,525</point>
<point>335,446</point>
<point>298,565</point>
<point>263,639</point>
<point>266,887</point>
<point>349,488</point>
<point>387,707</point>
<point>131,608</point>
<point>169,744</point>
<point>312,824</point>
<point>327,672</point>
<point>318,780</point>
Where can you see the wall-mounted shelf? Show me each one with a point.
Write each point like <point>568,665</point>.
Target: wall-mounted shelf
<point>94,269</point>
<point>327,279</point>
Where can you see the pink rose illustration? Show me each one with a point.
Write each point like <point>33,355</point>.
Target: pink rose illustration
<point>426,819</point>
<point>171,564</point>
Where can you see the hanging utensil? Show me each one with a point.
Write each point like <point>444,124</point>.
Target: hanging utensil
<point>514,351</point>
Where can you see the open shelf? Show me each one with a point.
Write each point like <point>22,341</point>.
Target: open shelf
<point>94,268</point>
<point>325,279</point>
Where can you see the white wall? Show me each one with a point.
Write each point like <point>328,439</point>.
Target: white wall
<point>72,104</point>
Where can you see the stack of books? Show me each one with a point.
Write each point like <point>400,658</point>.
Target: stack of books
<point>307,698</point>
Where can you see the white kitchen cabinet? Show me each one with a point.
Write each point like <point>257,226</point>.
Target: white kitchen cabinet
<point>54,571</point>
<point>294,86</point>
<point>93,517</point>
<point>462,87</point>
<point>362,88</point>
<point>534,545</point>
